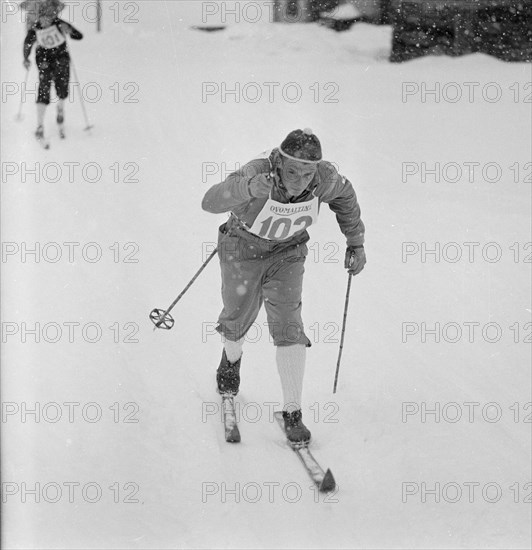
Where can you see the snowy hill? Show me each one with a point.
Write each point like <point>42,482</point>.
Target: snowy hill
<point>166,127</point>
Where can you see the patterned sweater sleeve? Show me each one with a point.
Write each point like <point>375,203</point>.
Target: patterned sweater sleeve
<point>338,192</point>
<point>30,39</point>
<point>234,190</point>
<point>70,30</point>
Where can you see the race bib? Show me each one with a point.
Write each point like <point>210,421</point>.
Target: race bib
<point>278,221</point>
<point>50,37</point>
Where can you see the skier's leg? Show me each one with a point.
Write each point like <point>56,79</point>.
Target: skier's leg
<point>41,110</point>
<point>291,367</point>
<point>242,299</point>
<point>61,81</point>
<point>60,111</point>
<point>43,95</point>
<point>241,288</point>
<point>239,313</point>
<point>282,291</point>
<point>282,299</point>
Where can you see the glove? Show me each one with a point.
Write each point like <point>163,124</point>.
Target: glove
<point>355,259</point>
<point>259,186</point>
<point>26,64</point>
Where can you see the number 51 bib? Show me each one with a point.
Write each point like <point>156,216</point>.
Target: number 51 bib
<point>49,37</point>
<point>278,221</point>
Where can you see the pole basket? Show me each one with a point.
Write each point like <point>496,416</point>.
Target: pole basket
<point>161,319</point>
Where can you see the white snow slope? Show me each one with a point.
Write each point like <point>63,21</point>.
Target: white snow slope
<point>169,480</point>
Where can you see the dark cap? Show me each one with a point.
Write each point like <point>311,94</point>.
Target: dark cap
<point>301,145</point>
<point>49,8</point>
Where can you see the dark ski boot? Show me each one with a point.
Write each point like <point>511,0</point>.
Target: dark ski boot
<point>296,431</point>
<point>228,376</point>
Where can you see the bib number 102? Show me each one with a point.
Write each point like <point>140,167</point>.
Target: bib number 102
<point>282,228</point>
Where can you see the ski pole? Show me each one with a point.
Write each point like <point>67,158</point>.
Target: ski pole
<point>163,319</point>
<point>89,126</point>
<point>350,277</point>
<point>19,114</point>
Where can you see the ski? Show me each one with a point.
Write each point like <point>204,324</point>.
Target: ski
<point>323,480</point>
<point>232,433</point>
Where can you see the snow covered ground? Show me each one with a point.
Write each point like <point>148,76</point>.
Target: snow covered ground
<point>128,450</point>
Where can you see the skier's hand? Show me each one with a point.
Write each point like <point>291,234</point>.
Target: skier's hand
<point>66,28</point>
<point>260,185</point>
<point>355,259</point>
<point>26,63</point>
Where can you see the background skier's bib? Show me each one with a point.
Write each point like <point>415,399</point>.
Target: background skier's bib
<point>278,221</point>
<point>49,37</point>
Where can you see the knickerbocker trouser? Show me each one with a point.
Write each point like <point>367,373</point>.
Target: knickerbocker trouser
<point>255,271</point>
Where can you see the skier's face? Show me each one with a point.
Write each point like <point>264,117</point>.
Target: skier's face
<point>296,176</point>
<point>45,21</point>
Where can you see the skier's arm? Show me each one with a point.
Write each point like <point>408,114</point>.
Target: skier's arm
<point>338,192</point>
<point>30,39</point>
<point>67,28</point>
<point>235,189</point>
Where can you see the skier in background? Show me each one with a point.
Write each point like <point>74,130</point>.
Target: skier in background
<point>262,250</point>
<point>53,60</point>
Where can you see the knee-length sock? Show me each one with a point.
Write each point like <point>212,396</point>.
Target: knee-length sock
<point>233,350</point>
<point>291,367</point>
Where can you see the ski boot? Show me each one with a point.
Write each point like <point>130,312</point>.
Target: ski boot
<point>296,432</point>
<point>228,376</point>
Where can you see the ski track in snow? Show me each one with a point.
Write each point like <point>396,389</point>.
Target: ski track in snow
<point>177,450</point>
